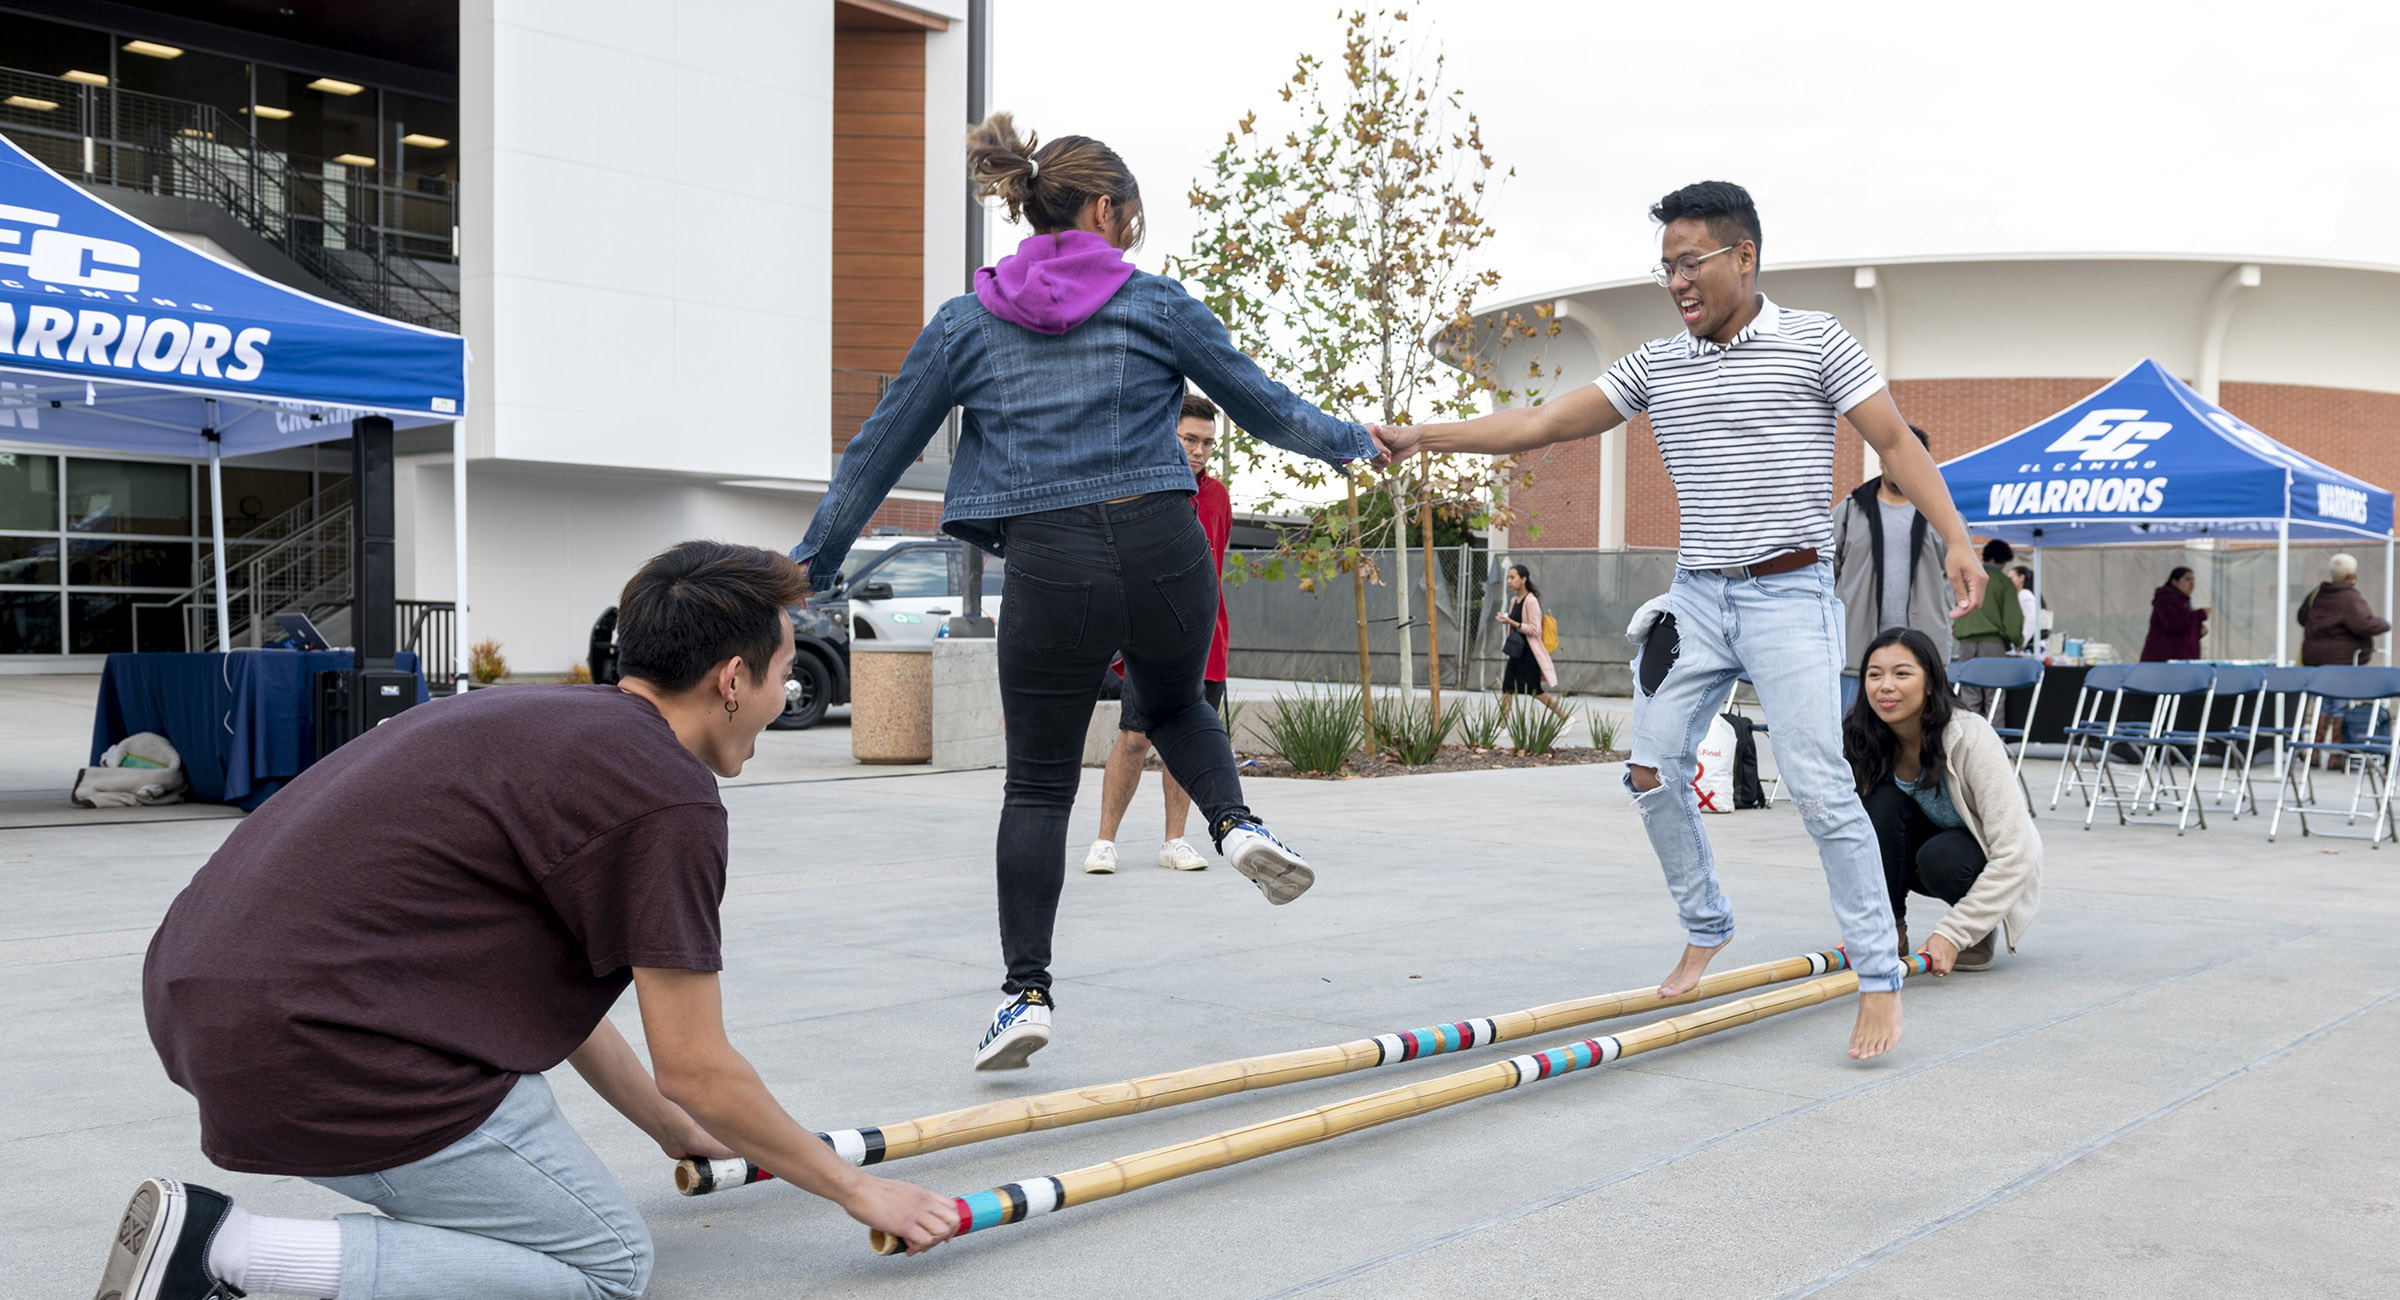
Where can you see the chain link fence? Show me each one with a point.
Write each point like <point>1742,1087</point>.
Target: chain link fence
<point>2093,593</point>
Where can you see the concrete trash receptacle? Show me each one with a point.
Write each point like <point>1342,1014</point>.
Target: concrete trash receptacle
<point>891,701</point>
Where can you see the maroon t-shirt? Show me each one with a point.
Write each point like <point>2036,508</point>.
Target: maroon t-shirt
<point>357,978</point>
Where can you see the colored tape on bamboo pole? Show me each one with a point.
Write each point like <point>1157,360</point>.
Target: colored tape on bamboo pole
<point>1017,1202</point>
<point>999,1119</point>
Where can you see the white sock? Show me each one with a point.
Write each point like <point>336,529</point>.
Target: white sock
<point>257,1254</point>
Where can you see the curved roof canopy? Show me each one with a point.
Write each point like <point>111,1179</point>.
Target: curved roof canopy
<point>114,335</point>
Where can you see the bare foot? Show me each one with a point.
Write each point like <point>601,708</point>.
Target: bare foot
<point>1688,970</point>
<point>1878,1028</point>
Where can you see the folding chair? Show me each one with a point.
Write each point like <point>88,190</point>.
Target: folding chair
<point>1997,677</point>
<point>2240,740</point>
<point>2373,756</point>
<point>2287,688</point>
<point>2160,745</point>
<point>2090,724</point>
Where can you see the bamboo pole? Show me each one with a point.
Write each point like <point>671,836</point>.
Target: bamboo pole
<point>697,1176</point>
<point>1015,1202</point>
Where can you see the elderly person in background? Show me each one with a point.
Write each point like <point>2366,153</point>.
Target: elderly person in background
<point>2175,627</point>
<point>2339,627</point>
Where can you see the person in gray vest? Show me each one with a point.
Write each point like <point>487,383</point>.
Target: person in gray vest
<point>1887,570</point>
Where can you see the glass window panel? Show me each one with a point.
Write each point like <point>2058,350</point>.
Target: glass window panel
<point>28,491</point>
<point>914,574</point>
<point>28,623</point>
<point>52,49</point>
<point>322,124</point>
<point>120,496</point>
<point>414,124</point>
<point>101,624</point>
<point>194,76</point>
<point>29,561</point>
<point>129,564</point>
<point>254,496</point>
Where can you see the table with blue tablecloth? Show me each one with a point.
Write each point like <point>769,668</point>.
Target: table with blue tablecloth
<point>244,723</point>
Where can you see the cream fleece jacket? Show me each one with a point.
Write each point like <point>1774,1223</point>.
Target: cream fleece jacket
<point>1984,790</point>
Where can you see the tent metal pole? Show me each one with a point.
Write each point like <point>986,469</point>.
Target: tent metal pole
<point>216,527</point>
<point>2283,584</point>
<point>458,510</point>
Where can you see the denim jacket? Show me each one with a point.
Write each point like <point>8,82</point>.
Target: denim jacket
<point>1058,420</point>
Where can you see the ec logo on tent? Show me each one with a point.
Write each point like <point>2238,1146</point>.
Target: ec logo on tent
<point>2110,435</point>
<point>57,257</point>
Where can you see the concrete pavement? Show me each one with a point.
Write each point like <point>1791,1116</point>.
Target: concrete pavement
<point>2181,1083</point>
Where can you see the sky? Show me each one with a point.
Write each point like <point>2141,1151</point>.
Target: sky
<point>1866,130</point>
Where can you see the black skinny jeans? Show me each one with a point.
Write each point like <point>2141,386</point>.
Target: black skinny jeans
<point>1085,583</point>
<point>1918,854</point>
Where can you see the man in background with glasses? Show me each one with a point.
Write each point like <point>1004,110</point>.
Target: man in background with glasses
<point>1744,403</point>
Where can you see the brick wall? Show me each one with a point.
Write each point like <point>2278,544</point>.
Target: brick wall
<point>2353,431</point>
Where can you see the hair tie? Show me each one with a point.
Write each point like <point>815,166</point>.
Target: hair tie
<point>1033,167</point>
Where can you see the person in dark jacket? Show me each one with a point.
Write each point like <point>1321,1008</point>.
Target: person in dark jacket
<point>2337,625</point>
<point>2175,627</point>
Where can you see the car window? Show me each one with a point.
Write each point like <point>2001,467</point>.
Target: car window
<point>914,573</point>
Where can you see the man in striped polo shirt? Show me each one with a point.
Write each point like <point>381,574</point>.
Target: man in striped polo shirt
<point>1744,403</point>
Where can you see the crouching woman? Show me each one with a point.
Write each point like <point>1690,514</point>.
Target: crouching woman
<point>1948,814</point>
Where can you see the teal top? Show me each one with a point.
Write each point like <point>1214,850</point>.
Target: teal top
<point>1935,801</point>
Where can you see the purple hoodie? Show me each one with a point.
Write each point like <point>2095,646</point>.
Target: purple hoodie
<point>1053,283</point>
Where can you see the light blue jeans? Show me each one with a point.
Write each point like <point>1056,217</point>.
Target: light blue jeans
<point>520,1207</point>
<point>1785,632</point>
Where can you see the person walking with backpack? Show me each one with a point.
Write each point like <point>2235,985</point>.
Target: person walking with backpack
<point>1070,366</point>
<point>1529,670</point>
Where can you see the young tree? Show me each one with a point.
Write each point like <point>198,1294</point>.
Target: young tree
<point>1341,250</point>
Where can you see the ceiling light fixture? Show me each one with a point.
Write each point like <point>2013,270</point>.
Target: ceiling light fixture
<point>270,112</point>
<point>85,78</point>
<point>354,160</point>
<point>416,141</point>
<point>153,49</point>
<point>333,87</point>
<point>28,101</point>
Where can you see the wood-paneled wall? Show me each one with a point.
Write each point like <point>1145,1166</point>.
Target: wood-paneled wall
<point>878,198</point>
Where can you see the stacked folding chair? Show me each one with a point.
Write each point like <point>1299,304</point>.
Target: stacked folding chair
<point>2090,729</point>
<point>2370,758</point>
<point>2161,744</point>
<point>1996,677</point>
<point>2238,737</point>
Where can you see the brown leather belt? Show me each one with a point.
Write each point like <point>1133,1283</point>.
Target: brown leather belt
<point>1772,565</point>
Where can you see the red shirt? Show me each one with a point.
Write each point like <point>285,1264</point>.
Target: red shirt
<point>1215,507</point>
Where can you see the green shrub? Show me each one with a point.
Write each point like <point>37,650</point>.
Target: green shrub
<point>1317,731</point>
<point>1606,728</point>
<point>1533,729</point>
<point>1479,724</point>
<point>1231,714</point>
<point>1406,727</point>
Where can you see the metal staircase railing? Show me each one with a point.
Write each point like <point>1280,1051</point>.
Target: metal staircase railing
<point>378,240</point>
<point>299,560</point>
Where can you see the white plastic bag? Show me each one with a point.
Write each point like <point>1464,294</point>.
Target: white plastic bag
<point>1713,782</point>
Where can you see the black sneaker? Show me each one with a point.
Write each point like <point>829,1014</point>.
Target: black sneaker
<point>161,1250</point>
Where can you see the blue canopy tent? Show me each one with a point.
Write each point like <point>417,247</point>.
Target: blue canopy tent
<point>2147,459</point>
<point>115,336</point>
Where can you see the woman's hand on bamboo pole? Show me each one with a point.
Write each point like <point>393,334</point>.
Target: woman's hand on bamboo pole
<point>1941,954</point>
<point>901,1212</point>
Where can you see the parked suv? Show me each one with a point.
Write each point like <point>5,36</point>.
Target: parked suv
<point>906,588</point>
<point>820,664</point>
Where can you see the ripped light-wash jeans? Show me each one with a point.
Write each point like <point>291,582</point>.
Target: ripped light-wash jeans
<point>1784,632</point>
<point>519,1209</point>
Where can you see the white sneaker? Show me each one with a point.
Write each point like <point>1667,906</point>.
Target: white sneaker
<point>1274,868</point>
<point>1181,856</point>
<point>1020,1028</point>
<point>1102,860</point>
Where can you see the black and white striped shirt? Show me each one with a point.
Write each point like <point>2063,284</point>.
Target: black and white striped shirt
<point>1747,429</point>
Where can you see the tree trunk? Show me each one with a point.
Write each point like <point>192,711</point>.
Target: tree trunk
<point>1433,618</point>
<point>1401,597</point>
<point>1358,596</point>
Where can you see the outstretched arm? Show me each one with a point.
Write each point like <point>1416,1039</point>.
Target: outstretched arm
<point>911,412</point>
<point>1584,413</point>
<point>683,1017</point>
<point>1262,407</point>
<point>1877,419</point>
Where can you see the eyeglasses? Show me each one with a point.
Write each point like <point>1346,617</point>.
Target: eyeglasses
<point>1686,266</point>
<point>1201,445</point>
